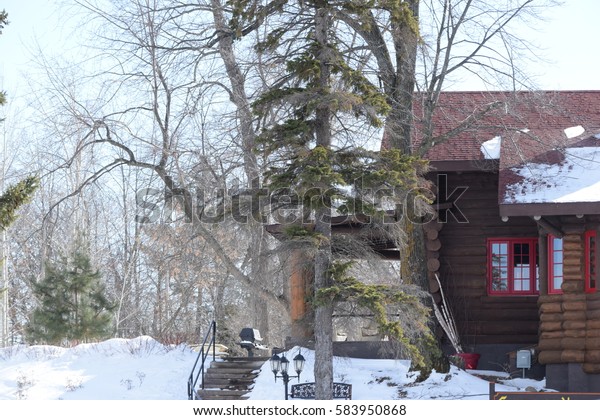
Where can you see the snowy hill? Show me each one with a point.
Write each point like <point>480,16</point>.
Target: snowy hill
<point>144,369</point>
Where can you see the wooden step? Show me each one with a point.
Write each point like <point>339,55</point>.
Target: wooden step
<point>253,364</point>
<point>245,359</point>
<point>235,369</point>
<point>229,375</point>
<point>230,378</point>
<point>229,384</point>
<point>217,394</point>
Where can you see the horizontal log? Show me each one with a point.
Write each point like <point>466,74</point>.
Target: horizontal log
<point>573,298</point>
<point>574,236</point>
<point>574,325</point>
<point>550,344</point>
<point>573,272</point>
<point>508,315</point>
<point>468,293</point>
<point>572,356</point>
<point>550,357</point>
<point>593,298</point>
<point>520,339</point>
<point>592,356</point>
<point>573,254</point>
<point>593,305</point>
<point>575,333</point>
<point>591,368</point>
<point>551,308</point>
<point>592,332</point>
<point>593,314</point>
<point>550,299</point>
<point>471,251</point>
<point>502,302</point>
<point>592,343</point>
<point>575,316</point>
<point>551,326</point>
<point>593,324</point>
<point>570,343</point>
<point>549,335</point>
<point>469,281</point>
<point>500,328</point>
<point>458,268</point>
<point>572,286</point>
<point>551,317</point>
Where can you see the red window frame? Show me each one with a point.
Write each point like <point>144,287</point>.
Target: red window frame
<point>591,281</point>
<point>502,256</point>
<point>555,264</point>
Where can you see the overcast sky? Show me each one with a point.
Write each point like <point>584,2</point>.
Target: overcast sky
<point>569,40</point>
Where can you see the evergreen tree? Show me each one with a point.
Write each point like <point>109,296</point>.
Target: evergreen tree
<point>314,157</point>
<point>72,303</point>
<point>13,198</point>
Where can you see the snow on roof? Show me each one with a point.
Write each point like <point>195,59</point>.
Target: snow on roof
<point>491,148</point>
<point>575,179</point>
<point>575,131</point>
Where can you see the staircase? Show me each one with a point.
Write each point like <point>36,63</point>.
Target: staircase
<point>231,378</point>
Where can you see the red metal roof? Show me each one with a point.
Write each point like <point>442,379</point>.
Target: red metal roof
<point>534,127</point>
<point>533,121</point>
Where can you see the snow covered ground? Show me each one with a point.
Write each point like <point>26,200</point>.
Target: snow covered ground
<point>144,369</point>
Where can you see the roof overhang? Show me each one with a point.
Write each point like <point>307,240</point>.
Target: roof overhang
<point>549,209</point>
<point>483,165</point>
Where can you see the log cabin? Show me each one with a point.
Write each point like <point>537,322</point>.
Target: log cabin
<point>516,177</point>
<point>518,193</point>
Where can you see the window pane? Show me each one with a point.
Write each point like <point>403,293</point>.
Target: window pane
<point>499,267</point>
<point>555,274</point>
<point>557,244</point>
<point>558,270</point>
<point>521,267</point>
<point>557,283</point>
<point>513,266</point>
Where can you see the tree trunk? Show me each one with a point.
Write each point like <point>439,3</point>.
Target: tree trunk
<point>258,268</point>
<point>413,256</point>
<point>323,312</point>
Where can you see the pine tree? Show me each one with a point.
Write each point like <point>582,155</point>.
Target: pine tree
<point>321,93</point>
<point>72,303</point>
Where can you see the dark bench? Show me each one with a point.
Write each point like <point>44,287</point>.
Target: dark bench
<point>307,391</point>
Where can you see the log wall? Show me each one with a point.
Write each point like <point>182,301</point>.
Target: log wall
<point>462,257</point>
<point>570,322</point>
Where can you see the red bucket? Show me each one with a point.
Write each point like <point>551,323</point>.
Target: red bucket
<point>470,359</point>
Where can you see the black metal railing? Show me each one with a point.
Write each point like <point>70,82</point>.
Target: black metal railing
<point>198,369</point>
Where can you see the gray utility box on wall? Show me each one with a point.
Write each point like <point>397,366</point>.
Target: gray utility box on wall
<point>523,359</point>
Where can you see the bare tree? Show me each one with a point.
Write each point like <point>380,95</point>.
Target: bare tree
<point>159,105</point>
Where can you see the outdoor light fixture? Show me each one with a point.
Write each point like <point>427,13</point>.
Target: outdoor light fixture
<point>299,364</point>
<point>280,366</point>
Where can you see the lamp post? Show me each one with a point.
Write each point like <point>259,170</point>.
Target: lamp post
<point>282,364</point>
